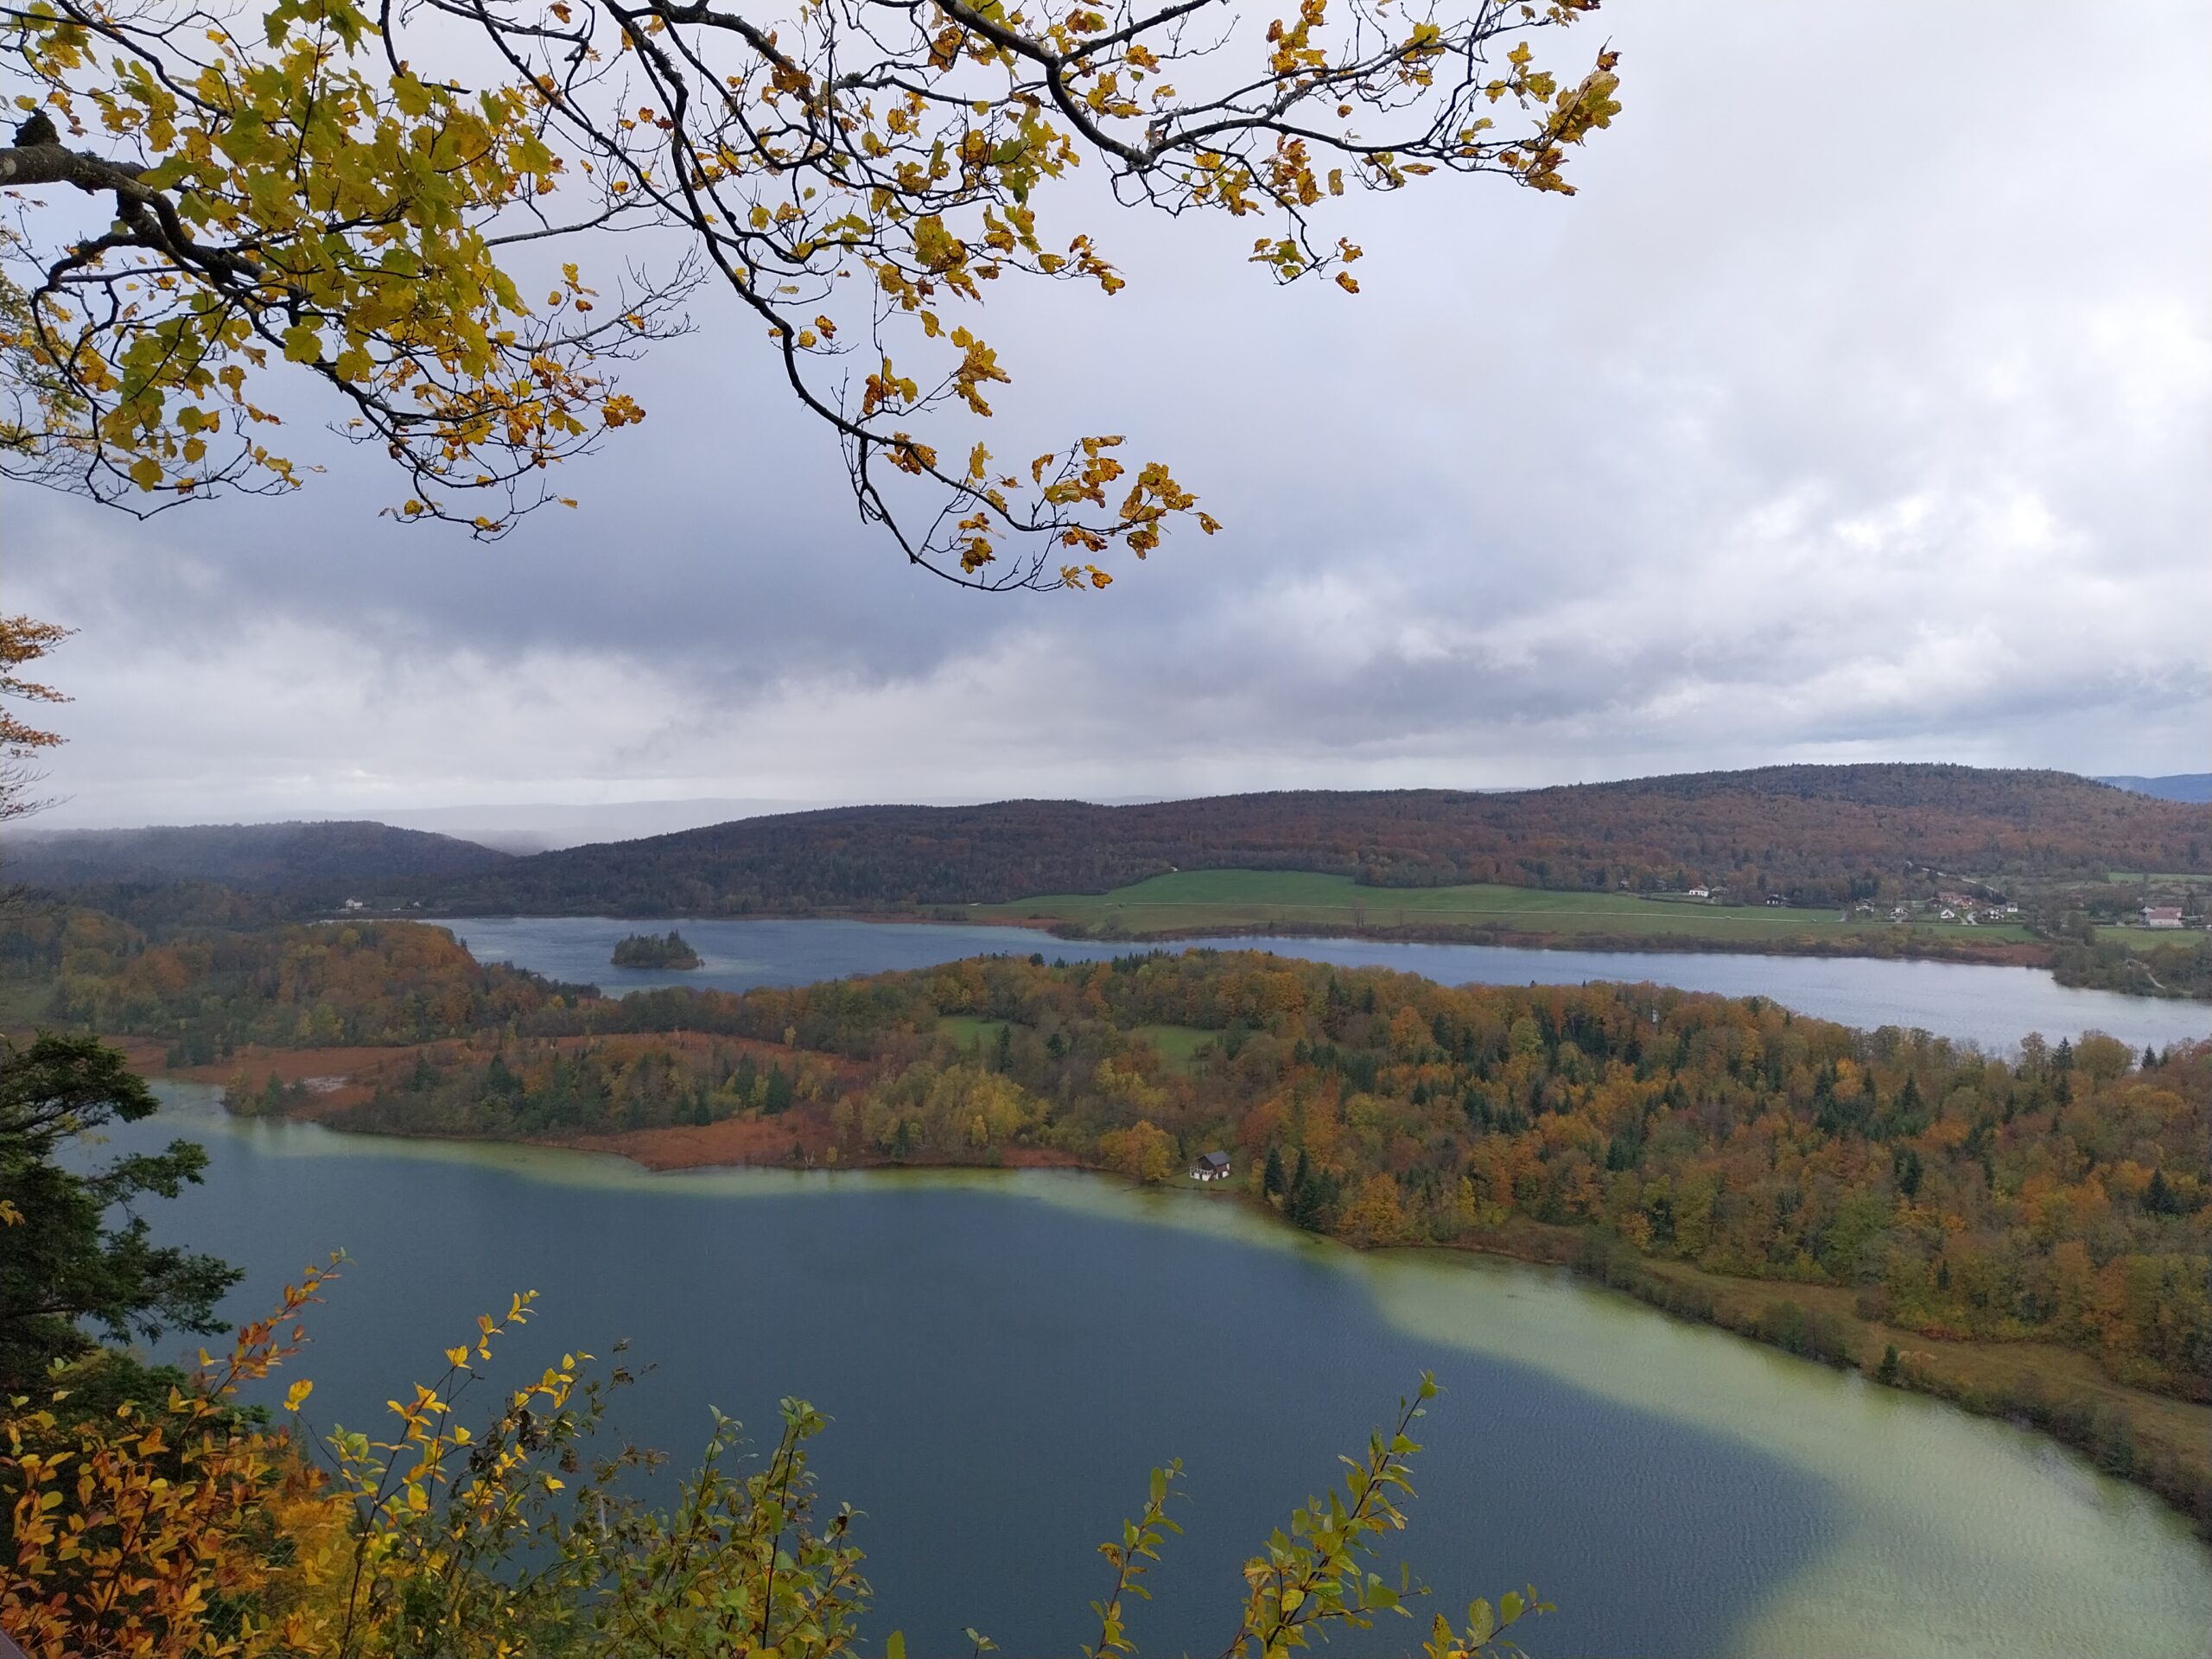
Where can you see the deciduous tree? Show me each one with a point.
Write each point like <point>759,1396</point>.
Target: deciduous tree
<point>23,640</point>
<point>417,206</point>
<point>71,1248</point>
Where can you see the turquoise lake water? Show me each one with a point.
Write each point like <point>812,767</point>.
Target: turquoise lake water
<point>1008,1353</point>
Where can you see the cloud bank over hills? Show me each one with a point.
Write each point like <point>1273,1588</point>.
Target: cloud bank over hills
<point>1873,433</point>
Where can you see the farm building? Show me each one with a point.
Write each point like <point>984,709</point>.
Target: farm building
<point>2161,915</point>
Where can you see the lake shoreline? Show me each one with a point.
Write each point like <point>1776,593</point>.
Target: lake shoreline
<point>2040,955</point>
<point>1996,953</point>
<point>2157,1442</point>
<point>1616,1458</point>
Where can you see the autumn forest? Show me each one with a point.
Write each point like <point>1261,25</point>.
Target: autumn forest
<point>1807,1183</point>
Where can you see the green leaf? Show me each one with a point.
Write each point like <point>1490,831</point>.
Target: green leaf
<point>1482,1623</point>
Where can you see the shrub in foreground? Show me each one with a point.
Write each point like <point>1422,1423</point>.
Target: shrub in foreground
<point>190,1527</point>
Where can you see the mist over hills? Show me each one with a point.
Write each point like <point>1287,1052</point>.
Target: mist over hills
<point>2192,786</point>
<point>329,858</point>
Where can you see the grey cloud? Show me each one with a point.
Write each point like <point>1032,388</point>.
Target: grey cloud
<point>1859,399</point>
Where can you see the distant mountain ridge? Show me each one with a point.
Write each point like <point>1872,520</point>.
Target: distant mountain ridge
<point>330,862</point>
<point>1813,834</point>
<point>2195,787</point>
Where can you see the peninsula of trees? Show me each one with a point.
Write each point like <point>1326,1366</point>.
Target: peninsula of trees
<point>2033,1236</point>
<point>328,862</point>
<point>669,949</point>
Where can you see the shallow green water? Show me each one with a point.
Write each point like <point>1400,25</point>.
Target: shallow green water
<point>1006,1353</point>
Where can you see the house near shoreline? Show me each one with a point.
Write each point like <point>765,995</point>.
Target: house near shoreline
<point>1210,1166</point>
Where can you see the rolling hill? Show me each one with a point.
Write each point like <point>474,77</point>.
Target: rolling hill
<point>326,862</point>
<point>1812,834</point>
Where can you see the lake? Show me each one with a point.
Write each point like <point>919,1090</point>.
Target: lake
<point>1976,1002</point>
<point>1008,1353</point>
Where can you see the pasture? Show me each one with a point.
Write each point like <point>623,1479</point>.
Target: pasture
<point>1198,901</point>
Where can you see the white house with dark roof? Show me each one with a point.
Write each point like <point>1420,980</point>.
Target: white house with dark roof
<point>1210,1166</point>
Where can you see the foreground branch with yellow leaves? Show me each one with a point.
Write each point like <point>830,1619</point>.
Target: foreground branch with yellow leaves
<point>357,194</point>
<point>189,1527</point>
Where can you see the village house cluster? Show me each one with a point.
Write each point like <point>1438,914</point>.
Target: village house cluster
<point>1969,909</point>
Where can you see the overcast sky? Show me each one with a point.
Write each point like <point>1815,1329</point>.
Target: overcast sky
<point>1860,407</point>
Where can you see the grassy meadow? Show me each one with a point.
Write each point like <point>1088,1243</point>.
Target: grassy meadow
<point>1177,1046</point>
<point>2149,938</point>
<point>1198,901</point>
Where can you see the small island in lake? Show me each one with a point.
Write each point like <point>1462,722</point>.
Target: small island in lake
<point>668,950</point>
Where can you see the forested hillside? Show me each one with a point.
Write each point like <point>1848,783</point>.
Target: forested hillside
<point>1813,834</point>
<point>327,862</point>
<point>208,993</point>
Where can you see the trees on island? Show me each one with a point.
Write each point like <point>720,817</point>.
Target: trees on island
<point>670,950</point>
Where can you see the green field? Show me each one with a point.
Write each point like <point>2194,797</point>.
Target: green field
<point>24,1003</point>
<point>1177,1046</point>
<point>2150,939</point>
<point>1207,900</point>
